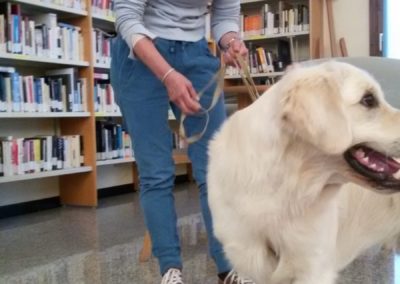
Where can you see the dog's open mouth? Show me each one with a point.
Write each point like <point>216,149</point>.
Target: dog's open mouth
<point>376,166</point>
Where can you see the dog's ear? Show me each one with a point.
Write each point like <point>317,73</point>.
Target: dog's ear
<point>312,110</point>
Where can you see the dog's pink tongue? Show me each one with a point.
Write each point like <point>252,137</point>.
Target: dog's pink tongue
<point>381,163</point>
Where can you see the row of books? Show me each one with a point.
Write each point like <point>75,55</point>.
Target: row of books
<point>103,7</point>
<point>38,35</point>
<point>20,156</point>
<point>112,141</point>
<point>104,100</point>
<point>286,18</point>
<point>260,61</point>
<point>60,90</point>
<point>102,46</point>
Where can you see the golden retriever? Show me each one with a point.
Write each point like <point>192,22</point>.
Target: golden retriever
<point>293,178</point>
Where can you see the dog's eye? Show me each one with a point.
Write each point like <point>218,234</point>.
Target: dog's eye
<point>369,101</point>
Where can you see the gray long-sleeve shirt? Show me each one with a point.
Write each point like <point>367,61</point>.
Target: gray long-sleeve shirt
<point>175,19</point>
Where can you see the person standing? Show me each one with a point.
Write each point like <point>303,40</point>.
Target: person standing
<point>160,59</point>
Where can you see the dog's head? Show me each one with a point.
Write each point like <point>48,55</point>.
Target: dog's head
<point>340,110</point>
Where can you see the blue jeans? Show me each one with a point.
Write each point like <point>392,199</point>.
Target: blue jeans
<point>144,103</point>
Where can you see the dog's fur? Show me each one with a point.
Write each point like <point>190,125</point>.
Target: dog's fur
<point>280,194</point>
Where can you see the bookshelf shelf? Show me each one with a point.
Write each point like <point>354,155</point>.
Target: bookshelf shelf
<point>43,114</point>
<point>115,161</point>
<point>284,35</point>
<point>44,174</point>
<point>108,114</point>
<point>100,17</point>
<point>42,5</point>
<point>19,59</point>
<point>102,66</point>
<point>256,75</point>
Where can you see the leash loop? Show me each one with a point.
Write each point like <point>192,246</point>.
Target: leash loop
<point>219,79</point>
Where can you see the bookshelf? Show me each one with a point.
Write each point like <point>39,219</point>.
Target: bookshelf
<point>277,33</point>
<point>76,185</point>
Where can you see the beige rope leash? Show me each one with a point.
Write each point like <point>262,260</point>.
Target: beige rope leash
<point>219,79</point>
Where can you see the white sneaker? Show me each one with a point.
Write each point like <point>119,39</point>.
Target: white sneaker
<point>234,278</point>
<point>172,276</point>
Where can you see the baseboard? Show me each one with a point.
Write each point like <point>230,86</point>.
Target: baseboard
<point>54,202</point>
<point>115,190</point>
<point>13,210</point>
<point>29,207</point>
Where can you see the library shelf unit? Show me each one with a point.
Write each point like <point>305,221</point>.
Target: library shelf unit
<point>76,186</point>
<point>301,43</point>
<point>104,21</point>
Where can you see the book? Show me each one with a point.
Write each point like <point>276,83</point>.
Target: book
<point>68,78</point>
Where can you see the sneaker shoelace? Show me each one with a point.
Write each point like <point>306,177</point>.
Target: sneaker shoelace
<point>172,276</point>
<point>234,278</point>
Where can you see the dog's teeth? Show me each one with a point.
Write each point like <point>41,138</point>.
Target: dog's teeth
<point>366,159</point>
<point>373,166</point>
<point>359,153</point>
<point>381,169</point>
<point>396,175</point>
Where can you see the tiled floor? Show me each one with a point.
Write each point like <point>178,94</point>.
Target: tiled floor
<point>81,245</point>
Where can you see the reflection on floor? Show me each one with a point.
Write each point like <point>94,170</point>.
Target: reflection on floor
<point>81,245</point>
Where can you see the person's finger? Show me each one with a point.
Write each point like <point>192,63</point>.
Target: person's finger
<point>182,106</point>
<point>192,92</point>
<point>232,60</point>
<point>228,58</point>
<point>236,46</point>
<point>244,51</point>
<point>192,104</point>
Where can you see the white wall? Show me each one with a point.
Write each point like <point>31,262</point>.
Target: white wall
<point>351,19</point>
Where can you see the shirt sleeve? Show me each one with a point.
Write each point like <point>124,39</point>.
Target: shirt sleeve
<point>129,19</point>
<point>225,15</point>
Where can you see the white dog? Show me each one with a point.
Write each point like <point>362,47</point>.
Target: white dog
<point>280,172</point>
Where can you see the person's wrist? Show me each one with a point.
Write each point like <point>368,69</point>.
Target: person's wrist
<point>167,74</point>
<point>227,41</point>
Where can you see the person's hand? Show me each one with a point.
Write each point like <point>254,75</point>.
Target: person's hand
<point>233,46</point>
<point>181,92</point>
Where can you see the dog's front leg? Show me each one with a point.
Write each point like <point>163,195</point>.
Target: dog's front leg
<point>327,277</point>
<point>309,245</point>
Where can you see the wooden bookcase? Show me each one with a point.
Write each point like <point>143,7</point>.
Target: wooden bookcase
<point>77,186</point>
<point>309,41</point>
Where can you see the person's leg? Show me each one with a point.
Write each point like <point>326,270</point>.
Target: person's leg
<point>199,66</point>
<point>144,105</point>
